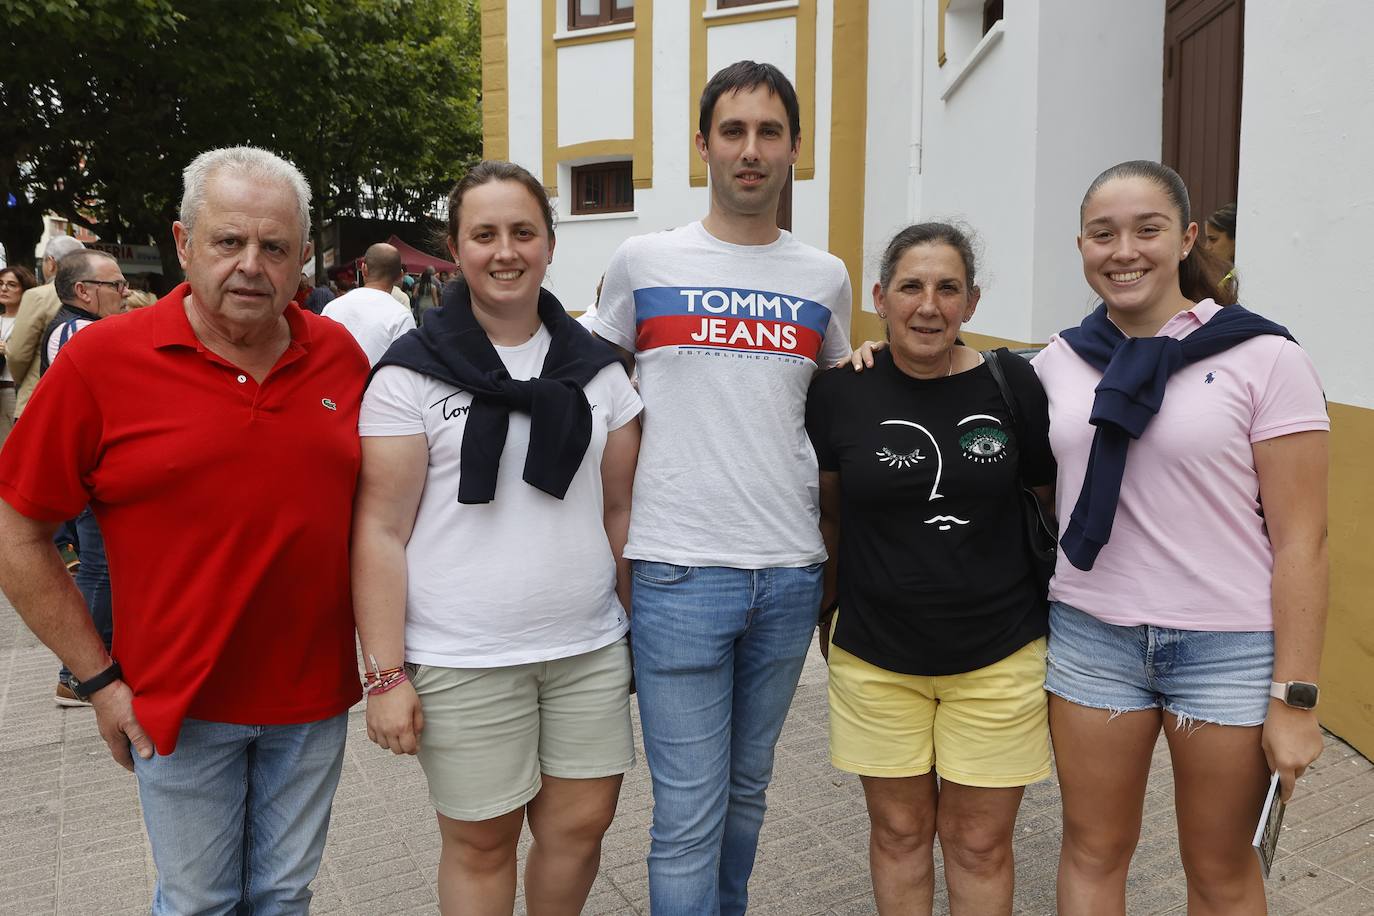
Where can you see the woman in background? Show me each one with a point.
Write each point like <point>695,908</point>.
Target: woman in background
<point>14,282</point>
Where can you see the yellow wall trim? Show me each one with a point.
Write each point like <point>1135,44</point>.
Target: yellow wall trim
<point>570,39</point>
<point>596,148</point>
<point>848,132</point>
<point>805,14</point>
<point>940,41</point>
<point>1347,678</point>
<point>988,342</point>
<point>548,73</point>
<point>643,169</point>
<point>641,147</point>
<point>495,95</point>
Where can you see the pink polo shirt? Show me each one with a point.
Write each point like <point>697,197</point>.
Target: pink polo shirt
<point>1188,548</point>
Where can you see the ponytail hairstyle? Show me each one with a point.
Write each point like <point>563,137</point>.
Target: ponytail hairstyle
<point>1201,275</point>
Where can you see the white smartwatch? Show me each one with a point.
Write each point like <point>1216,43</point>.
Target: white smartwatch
<point>1298,694</point>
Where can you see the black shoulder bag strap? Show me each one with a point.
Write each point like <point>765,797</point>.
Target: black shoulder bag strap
<point>1041,540</point>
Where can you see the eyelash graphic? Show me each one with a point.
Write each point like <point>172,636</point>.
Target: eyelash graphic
<point>899,460</point>
<point>984,444</point>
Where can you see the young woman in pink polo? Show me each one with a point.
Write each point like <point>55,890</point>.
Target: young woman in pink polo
<point>1190,591</point>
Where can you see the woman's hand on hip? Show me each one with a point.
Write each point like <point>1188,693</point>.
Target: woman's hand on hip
<point>395,720</point>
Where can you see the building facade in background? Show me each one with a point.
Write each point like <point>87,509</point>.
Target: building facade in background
<point>997,114</point>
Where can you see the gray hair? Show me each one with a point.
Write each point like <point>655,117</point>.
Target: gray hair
<point>72,269</point>
<point>59,246</point>
<point>248,162</point>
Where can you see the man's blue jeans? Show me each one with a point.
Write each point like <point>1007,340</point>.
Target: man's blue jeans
<point>237,815</point>
<point>92,579</point>
<point>717,655</point>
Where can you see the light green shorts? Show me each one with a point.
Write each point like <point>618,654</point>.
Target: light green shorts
<point>490,733</point>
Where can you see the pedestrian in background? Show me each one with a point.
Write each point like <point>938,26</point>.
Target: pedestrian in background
<point>424,296</point>
<point>36,310</point>
<point>14,282</point>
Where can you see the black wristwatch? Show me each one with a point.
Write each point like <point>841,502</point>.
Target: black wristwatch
<point>1298,694</point>
<point>84,689</point>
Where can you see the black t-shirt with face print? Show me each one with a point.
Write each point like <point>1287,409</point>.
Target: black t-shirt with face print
<point>934,576</point>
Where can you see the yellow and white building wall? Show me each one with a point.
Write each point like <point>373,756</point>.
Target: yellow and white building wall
<point>911,111</point>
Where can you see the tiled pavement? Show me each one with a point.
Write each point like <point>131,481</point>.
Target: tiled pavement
<point>74,840</point>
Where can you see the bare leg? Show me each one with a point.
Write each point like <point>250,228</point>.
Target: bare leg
<point>477,865</point>
<point>901,812</point>
<point>1220,777</point>
<point>975,827</point>
<point>568,819</point>
<point>1104,764</point>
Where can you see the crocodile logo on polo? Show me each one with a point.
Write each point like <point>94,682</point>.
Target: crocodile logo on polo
<point>328,403</point>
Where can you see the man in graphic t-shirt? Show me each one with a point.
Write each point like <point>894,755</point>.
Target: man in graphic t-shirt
<point>727,319</point>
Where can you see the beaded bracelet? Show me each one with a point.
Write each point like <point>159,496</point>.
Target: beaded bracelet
<point>391,677</point>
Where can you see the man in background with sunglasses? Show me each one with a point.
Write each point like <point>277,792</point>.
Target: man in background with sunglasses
<point>90,286</point>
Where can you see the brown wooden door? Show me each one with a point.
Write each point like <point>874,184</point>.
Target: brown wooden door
<point>1203,45</point>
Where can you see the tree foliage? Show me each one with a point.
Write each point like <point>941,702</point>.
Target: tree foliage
<point>105,101</point>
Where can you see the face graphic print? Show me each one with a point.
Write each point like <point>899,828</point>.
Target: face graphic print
<point>980,439</point>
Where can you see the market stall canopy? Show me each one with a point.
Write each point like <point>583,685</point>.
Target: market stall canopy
<point>414,260</point>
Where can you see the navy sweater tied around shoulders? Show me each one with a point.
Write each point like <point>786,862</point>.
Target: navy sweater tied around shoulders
<point>1135,373</point>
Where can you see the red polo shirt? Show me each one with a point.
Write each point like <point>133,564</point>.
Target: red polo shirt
<point>225,506</point>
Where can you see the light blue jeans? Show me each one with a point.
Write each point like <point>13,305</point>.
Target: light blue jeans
<point>717,655</point>
<point>237,815</point>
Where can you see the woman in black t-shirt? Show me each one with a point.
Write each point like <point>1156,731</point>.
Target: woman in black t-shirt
<point>937,660</point>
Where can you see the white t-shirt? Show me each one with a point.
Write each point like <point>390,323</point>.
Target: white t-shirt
<point>526,577</point>
<point>727,338</point>
<point>373,318</point>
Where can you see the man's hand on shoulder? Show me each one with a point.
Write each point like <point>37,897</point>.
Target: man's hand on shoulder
<point>114,716</point>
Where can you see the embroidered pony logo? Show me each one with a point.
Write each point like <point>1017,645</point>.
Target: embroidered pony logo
<point>1210,378</point>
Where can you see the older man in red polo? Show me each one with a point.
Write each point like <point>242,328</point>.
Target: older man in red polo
<point>185,426</point>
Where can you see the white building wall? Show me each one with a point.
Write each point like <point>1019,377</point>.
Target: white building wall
<point>596,92</point>
<point>1097,104</point>
<point>1306,197</point>
<point>811,198</point>
<point>979,159</point>
<point>894,121</point>
<point>1067,89</point>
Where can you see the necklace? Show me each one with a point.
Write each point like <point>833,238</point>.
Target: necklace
<point>950,370</point>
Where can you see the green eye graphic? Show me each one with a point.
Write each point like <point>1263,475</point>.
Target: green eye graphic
<point>984,444</point>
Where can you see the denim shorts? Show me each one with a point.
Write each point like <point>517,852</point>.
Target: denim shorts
<point>1200,676</point>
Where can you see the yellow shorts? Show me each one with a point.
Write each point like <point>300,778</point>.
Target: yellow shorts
<point>987,728</point>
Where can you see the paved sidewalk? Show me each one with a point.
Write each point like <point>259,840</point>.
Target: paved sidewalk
<point>75,842</point>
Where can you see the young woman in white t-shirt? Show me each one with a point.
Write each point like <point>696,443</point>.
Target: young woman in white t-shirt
<point>493,614</point>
